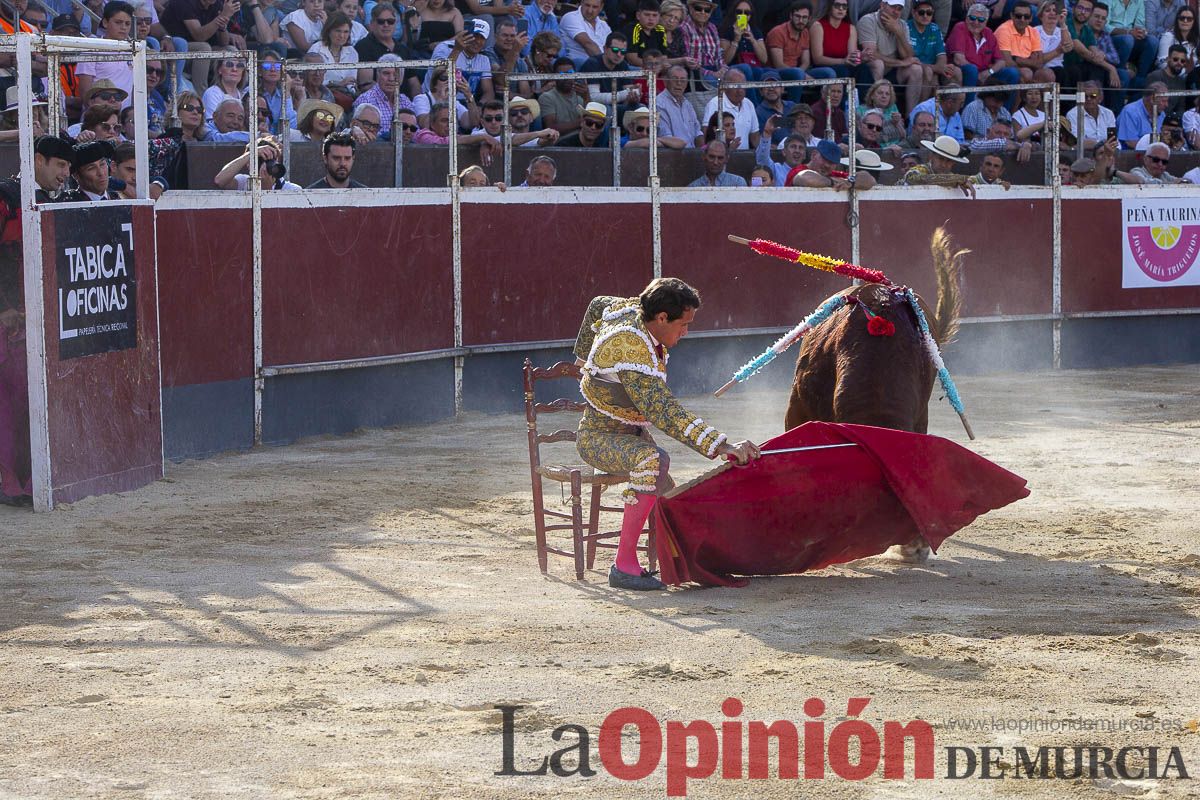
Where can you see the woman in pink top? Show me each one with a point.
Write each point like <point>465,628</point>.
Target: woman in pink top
<point>833,40</point>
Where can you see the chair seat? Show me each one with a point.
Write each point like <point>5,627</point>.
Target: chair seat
<point>562,472</point>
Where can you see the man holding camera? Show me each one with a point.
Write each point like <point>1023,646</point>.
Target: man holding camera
<point>270,169</point>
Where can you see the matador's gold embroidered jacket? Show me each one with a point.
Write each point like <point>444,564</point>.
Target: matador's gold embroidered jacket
<point>626,380</point>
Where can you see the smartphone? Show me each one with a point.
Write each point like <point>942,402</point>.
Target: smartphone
<point>756,180</point>
<point>743,20</point>
<point>522,26</point>
<point>1112,133</point>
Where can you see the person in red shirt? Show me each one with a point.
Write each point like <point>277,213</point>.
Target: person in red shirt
<point>972,47</point>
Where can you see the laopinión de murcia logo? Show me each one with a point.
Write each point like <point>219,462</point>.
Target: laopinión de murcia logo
<point>849,749</point>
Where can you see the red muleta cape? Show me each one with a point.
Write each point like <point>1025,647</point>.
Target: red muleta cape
<point>795,512</point>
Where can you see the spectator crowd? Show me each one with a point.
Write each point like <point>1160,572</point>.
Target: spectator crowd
<point>1120,57</point>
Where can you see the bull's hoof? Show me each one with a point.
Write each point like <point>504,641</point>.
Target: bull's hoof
<point>915,552</point>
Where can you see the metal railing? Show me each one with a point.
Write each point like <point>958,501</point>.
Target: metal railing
<point>397,141</point>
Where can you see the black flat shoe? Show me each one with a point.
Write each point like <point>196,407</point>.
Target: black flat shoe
<point>645,582</point>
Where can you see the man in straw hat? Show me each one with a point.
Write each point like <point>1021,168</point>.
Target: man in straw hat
<point>622,350</point>
<point>944,154</point>
<point>101,91</point>
<point>637,128</point>
<point>593,128</point>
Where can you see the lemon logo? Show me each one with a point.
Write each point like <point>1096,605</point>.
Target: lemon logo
<point>1166,236</point>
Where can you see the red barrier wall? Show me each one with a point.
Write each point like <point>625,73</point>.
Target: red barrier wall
<point>1091,264</point>
<point>1009,270</point>
<point>205,276</point>
<point>739,288</point>
<point>377,280</point>
<point>356,282</point>
<point>104,414</point>
<point>530,270</point>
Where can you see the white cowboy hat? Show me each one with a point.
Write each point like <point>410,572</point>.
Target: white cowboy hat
<point>535,108</point>
<point>633,115</point>
<point>946,147</point>
<point>11,96</point>
<point>868,160</point>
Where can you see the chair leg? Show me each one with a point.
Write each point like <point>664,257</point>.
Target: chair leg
<point>593,526</point>
<point>651,544</point>
<point>539,522</point>
<point>577,521</point>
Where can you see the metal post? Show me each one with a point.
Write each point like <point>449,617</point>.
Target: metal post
<point>655,199</point>
<point>257,245</point>
<point>173,120</point>
<point>456,233</point>
<point>54,94</point>
<point>616,137</point>
<point>852,134</point>
<point>140,117</point>
<point>35,323</point>
<point>397,141</point>
<point>287,139</point>
<point>1056,244</point>
<point>507,134</point>
<point>1079,123</point>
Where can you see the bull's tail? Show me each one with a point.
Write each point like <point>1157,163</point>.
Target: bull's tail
<point>947,262</point>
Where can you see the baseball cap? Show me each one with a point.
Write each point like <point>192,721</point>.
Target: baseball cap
<point>801,108</point>
<point>899,3</point>
<point>769,75</point>
<point>829,151</point>
<point>481,28</point>
<point>63,22</point>
<point>594,109</point>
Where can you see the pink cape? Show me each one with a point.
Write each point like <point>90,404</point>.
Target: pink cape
<point>795,512</point>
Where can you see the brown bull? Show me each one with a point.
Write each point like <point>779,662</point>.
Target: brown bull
<point>846,374</point>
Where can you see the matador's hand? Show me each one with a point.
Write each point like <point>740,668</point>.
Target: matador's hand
<point>742,452</point>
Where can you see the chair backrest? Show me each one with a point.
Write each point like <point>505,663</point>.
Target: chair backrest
<point>563,369</point>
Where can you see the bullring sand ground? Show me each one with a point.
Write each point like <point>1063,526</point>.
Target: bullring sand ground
<point>337,618</point>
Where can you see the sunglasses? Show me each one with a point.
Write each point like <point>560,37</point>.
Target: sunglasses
<point>701,9</point>
<point>272,66</point>
<point>1157,160</point>
<point>144,20</point>
<point>1022,16</point>
<point>386,20</point>
<point>325,115</point>
<point>370,126</point>
<point>872,127</point>
<point>840,5</point>
<point>924,12</point>
<point>109,95</point>
<point>494,118</point>
<point>619,50</point>
<point>409,128</point>
<point>520,110</point>
<point>233,65</point>
<point>971,18</point>
<point>593,123</point>
<point>154,71</point>
<point>1188,18</point>
<point>191,108</point>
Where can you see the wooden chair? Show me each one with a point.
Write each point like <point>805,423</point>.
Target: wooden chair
<point>585,539</point>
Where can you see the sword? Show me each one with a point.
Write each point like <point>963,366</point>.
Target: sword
<point>801,449</point>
